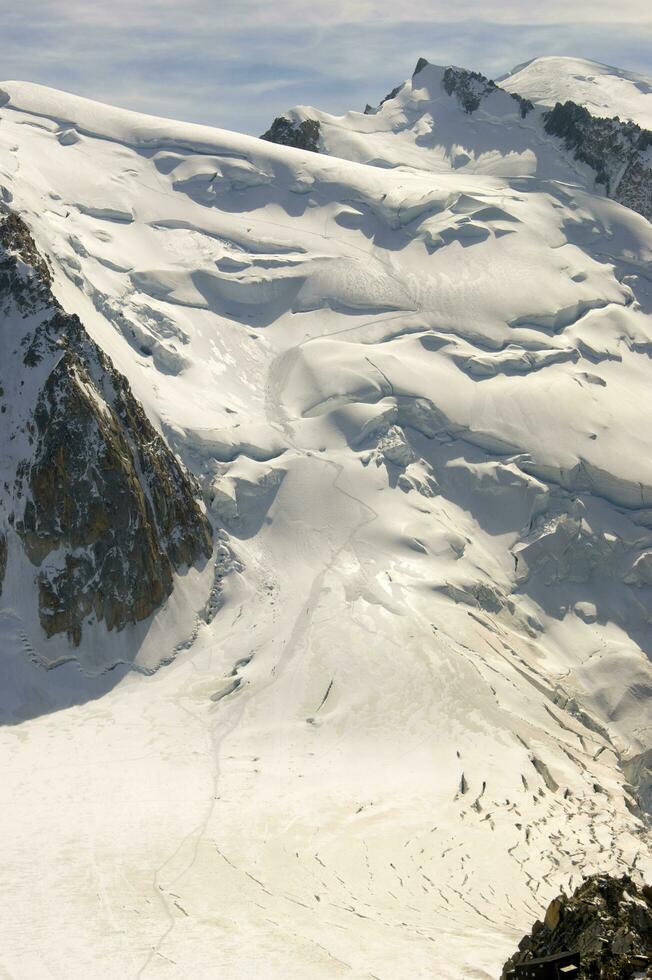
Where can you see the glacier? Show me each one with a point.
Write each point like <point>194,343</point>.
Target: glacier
<point>408,697</point>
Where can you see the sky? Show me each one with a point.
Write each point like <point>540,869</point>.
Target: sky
<point>239,63</point>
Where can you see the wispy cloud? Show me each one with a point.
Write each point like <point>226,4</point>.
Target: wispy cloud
<point>256,14</point>
<point>238,64</point>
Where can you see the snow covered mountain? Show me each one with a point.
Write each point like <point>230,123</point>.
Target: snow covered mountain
<point>498,133</point>
<point>603,90</point>
<point>441,120</point>
<point>408,697</point>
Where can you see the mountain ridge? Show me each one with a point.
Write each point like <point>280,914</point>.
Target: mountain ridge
<point>616,153</point>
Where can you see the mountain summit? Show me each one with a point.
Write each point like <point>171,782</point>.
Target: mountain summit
<point>603,90</point>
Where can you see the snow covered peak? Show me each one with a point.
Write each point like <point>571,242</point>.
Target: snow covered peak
<point>602,89</point>
<point>447,119</point>
<point>443,119</point>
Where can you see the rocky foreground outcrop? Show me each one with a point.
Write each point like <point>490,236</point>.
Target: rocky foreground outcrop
<point>607,920</point>
<point>102,508</point>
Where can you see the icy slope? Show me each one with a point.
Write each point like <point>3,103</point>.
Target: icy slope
<point>603,90</point>
<point>415,404</point>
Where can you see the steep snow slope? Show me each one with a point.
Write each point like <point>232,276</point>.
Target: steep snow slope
<point>415,404</point>
<point>603,90</point>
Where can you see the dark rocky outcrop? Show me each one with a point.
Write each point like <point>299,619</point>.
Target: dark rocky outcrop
<point>607,920</point>
<point>420,65</point>
<point>616,150</point>
<point>390,95</point>
<point>372,110</point>
<point>635,188</point>
<point>103,508</point>
<point>302,135</point>
<point>525,105</point>
<point>469,87</point>
<point>15,239</point>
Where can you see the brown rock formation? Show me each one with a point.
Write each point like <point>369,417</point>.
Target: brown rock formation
<point>104,509</point>
<point>607,920</point>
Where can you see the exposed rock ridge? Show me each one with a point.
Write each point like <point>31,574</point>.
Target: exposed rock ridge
<point>607,920</point>
<point>616,150</point>
<point>302,135</point>
<point>103,509</point>
<point>469,87</point>
<point>525,105</point>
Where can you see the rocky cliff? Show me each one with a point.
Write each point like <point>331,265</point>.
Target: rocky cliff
<point>469,87</point>
<point>303,135</point>
<point>616,150</point>
<point>607,920</point>
<point>102,508</point>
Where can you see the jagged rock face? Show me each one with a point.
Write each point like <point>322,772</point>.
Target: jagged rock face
<point>302,135</point>
<point>102,507</point>
<point>608,920</point>
<point>15,238</point>
<point>526,105</point>
<point>372,110</point>
<point>616,150</point>
<point>420,65</point>
<point>469,87</point>
<point>391,95</point>
<point>635,189</point>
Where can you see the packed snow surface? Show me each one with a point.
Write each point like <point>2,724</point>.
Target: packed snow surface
<point>416,405</point>
<point>603,90</point>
